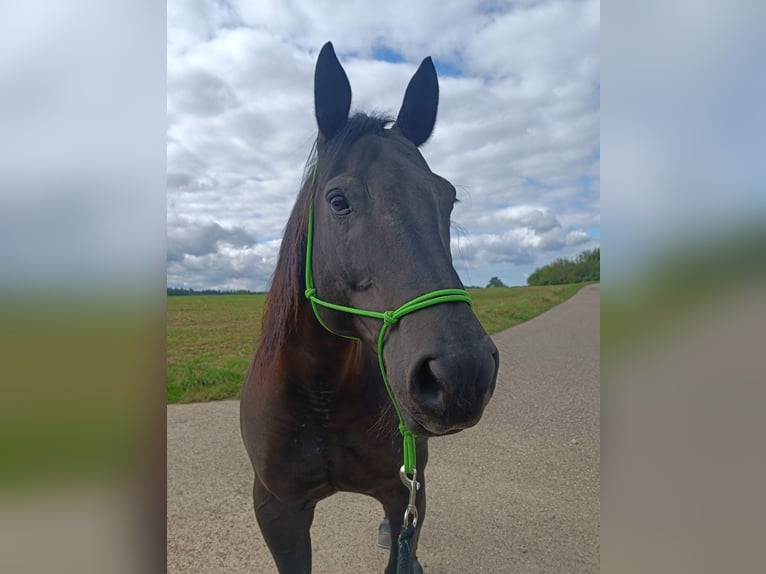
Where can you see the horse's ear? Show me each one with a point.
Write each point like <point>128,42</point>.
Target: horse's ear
<point>332,93</point>
<point>418,114</point>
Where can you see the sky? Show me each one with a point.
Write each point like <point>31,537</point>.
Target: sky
<point>517,131</point>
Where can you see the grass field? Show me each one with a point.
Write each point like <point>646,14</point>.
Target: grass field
<point>210,338</point>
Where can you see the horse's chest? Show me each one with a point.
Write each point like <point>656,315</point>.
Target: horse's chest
<point>322,451</point>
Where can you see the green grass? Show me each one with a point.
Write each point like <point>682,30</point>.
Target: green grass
<point>210,338</point>
<point>502,308</point>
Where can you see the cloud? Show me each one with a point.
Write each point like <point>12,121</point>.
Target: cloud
<point>535,218</point>
<point>227,267</point>
<point>524,232</point>
<point>201,93</point>
<point>190,239</point>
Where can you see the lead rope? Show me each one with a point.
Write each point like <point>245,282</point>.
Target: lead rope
<point>408,471</point>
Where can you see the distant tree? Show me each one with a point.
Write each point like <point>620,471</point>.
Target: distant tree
<point>495,282</point>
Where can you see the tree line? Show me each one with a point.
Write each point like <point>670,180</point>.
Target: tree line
<point>181,291</point>
<point>585,267</point>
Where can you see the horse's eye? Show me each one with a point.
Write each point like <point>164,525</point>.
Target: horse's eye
<point>339,203</point>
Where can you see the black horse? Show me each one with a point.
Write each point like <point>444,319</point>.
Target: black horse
<point>315,415</point>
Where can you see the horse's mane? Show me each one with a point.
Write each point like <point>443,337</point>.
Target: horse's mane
<point>286,294</point>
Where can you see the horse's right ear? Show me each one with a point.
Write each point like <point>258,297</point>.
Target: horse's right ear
<point>332,93</point>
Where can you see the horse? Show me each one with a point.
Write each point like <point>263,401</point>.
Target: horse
<point>370,230</point>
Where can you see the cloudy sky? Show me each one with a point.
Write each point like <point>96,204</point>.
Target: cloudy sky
<point>517,131</point>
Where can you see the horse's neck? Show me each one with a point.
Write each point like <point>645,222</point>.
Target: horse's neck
<point>324,356</point>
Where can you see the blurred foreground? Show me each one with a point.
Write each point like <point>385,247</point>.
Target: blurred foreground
<point>683,287</point>
<point>82,241</point>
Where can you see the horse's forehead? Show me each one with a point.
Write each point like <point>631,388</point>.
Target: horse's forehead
<point>381,157</point>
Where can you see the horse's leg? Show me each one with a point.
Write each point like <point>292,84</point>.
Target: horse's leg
<point>285,529</point>
<point>395,502</point>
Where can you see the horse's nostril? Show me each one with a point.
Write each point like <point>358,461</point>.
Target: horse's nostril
<point>427,389</point>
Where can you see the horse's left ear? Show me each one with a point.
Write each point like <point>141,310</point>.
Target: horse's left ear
<point>418,113</point>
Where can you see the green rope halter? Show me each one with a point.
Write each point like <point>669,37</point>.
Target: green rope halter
<point>389,319</point>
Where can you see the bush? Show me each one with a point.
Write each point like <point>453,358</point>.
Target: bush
<point>585,267</point>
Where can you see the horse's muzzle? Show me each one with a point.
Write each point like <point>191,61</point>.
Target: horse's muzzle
<point>450,390</point>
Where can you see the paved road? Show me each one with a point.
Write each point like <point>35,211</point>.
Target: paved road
<point>519,493</point>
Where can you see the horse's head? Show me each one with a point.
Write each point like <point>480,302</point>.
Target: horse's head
<point>382,237</point>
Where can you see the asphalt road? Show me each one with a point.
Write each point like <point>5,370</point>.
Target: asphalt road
<point>519,493</point>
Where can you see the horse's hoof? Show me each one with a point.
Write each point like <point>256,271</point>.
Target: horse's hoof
<point>416,567</point>
<point>384,535</point>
